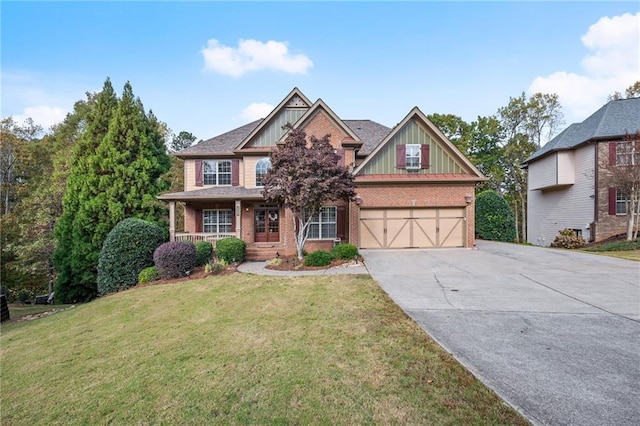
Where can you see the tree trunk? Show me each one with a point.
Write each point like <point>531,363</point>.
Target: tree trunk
<point>515,217</point>
<point>523,213</point>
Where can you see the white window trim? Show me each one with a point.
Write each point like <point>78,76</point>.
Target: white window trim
<point>263,161</point>
<point>214,164</point>
<point>626,154</point>
<point>419,155</point>
<point>622,201</point>
<point>319,222</point>
<point>217,224</point>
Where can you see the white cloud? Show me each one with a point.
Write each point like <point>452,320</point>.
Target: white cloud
<point>256,111</point>
<point>251,55</point>
<point>45,116</point>
<point>612,65</point>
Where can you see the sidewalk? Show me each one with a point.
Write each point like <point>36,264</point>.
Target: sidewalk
<point>259,268</point>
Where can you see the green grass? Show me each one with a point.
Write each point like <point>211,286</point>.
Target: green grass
<point>622,249</point>
<point>238,349</point>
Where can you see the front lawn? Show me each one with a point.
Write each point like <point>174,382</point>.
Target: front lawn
<point>617,248</point>
<point>238,349</point>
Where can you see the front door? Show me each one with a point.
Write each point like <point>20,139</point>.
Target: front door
<point>267,224</point>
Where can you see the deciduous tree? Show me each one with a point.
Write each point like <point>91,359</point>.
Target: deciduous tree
<point>303,176</point>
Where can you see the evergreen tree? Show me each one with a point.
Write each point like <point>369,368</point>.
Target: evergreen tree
<point>116,174</point>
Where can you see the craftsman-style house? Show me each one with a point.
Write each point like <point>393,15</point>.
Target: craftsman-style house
<point>414,188</point>
<point>567,187</point>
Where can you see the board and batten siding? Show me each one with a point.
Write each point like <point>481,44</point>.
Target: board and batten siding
<point>273,131</point>
<point>558,207</point>
<point>190,174</point>
<point>412,133</point>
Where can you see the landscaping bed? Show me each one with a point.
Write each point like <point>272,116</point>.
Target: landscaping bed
<point>292,263</point>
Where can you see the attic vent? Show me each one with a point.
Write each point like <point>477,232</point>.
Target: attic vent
<point>296,101</point>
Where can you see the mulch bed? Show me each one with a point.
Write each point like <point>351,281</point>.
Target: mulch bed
<point>291,263</point>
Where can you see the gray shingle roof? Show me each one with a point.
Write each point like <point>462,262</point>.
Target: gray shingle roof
<point>613,120</point>
<point>220,192</point>
<point>221,144</point>
<point>369,132</point>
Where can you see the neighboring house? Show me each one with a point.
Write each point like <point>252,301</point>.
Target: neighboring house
<point>414,188</point>
<point>566,187</point>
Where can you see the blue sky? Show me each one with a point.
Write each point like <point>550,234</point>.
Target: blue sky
<point>208,67</point>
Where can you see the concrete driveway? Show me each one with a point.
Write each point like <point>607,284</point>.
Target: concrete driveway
<point>555,333</point>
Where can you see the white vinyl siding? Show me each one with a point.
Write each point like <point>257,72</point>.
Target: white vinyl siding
<point>556,169</point>
<point>561,206</point>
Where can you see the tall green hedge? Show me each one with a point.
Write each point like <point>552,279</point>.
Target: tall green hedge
<point>127,250</point>
<point>494,218</point>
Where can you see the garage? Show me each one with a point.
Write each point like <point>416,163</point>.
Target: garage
<point>412,228</point>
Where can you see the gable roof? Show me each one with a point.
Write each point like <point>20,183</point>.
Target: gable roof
<point>295,94</point>
<point>612,121</point>
<point>317,106</point>
<point>415,113</point>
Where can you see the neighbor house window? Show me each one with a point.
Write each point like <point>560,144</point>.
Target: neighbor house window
<point>627,154</point>
<point>262,167</point>
<point>413,157</point>
<point>324,224</point>
<point>621,202</point>
<point>216,172</point>
<point>215,221</point>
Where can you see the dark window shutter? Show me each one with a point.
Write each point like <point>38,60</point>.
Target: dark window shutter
<point>233,220</point>
<point>235,172</point>
<point>401,156</point>
<point>424,156</point>
<point>341,223</point>
<point>612,201</point>
<point>612,153</point>
<point>340,153</point>
<point>198,172</point>
<point>198,220</point>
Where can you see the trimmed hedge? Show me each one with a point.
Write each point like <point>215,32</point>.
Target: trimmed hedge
<point>148,275</point>
<point>231,249</point>
<point>126,251</point>
<point>205,252</point>
<point>175,259</point>
<point>494,218</point>
<point>344,251</point>
<point>318,258</point>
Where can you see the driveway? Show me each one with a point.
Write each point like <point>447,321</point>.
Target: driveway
<point>555,333</point>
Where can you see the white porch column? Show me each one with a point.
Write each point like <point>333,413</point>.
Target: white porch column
<point>238,210</point>
<point>172,220</point>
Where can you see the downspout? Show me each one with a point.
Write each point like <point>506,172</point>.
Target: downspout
<point>596,191</point>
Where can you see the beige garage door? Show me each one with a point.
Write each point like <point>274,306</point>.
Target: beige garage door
<point>412,228</point>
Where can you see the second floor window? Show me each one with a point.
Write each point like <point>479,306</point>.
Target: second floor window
<point>216,172</point>
<point>262,167</point>
<point>413,157</point>
<point>627,154</point>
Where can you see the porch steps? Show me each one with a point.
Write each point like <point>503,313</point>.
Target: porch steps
<point>263,252</point>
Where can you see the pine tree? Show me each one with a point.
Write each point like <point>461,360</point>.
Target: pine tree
<point>116,174</point>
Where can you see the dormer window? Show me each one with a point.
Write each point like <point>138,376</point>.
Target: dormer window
<point>216,172</point>
<point>262,167</point>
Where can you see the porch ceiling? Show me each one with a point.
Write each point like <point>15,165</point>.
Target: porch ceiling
<point>217,193</point>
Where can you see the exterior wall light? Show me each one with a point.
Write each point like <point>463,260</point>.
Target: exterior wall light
<point>468,198</point>
<point>358,199</point>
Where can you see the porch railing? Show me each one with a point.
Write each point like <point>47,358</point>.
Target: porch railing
<point>194,237</point>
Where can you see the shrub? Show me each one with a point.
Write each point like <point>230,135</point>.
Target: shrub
<point>213,268</point>
<point>148,275</point>
<point>344,251</point>
<point>126,251</point>
<point>204,251</point>
<point>231,249</point>
<point>569,240</point>
<point>318,258</point>
<point>494,218</point>
<point>175,259</point>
